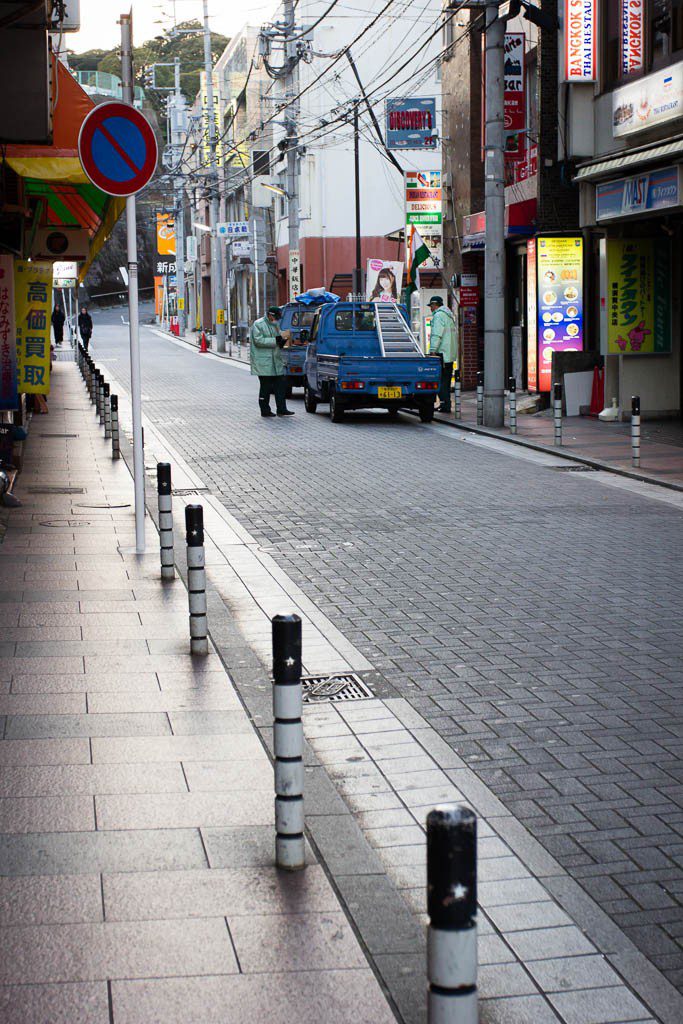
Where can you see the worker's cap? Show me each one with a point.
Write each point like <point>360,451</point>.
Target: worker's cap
<point>436,300</point>
<point>274,310</point>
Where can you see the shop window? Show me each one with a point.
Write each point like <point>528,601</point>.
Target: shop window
<point>666,29</point>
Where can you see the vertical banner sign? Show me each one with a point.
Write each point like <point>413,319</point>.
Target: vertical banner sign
<point>165,262</point>
<point>632,35</point>
<point>294,274</point>
<point>8,346</point>
<point>638,296</point>
<point>206,148</point>
<point>515,85</point>
<point>531,314</point>
<point>559,301</point>
<point>424,209</point>
<point>32,310</point>
<point>580,40</point>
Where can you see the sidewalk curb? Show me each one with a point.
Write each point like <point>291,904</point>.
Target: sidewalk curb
<point>606,467</point>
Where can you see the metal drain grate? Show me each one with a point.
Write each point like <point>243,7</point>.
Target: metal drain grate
<point>335,688</point>
<point>48,489</point>
<point>186,492</point>
<point>59,435</point>
<point>574,469</point>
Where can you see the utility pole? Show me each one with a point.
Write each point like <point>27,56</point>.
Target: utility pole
<point>494,193</point>
<point>291,114</point>
<point>218,304</point>
<point>357,285</point>
<point>178,124</point>
<point>126,22</point>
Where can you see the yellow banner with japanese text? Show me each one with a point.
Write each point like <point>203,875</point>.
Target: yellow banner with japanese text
<point>33,312</point>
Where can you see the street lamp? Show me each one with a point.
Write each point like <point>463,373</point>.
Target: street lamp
<point>277,189</point>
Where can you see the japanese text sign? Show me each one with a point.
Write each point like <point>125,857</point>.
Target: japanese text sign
<point>33,309</point>
<point>559,300</point>
<point>8,345</point>
<point>580,40</point>
<point>638,296</point>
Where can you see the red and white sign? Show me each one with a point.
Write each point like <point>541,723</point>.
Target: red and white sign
<point>632,36</point>
<point>580,40</point>
<point>515,86</point>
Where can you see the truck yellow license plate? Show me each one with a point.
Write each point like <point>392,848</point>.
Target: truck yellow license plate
<point>389,392</point>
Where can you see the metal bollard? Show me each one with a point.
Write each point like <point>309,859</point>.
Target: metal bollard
<point>115,442</point>
<point>512,398</point>
<point>557,412</point>
<point>89,378</point>
<point>100,409</point>
<point>196,578</point>
<point>107,411</point>
<point>480,398</point>
<point>452,911</point>
<point>457,406</point>
<point>98,393</point>
<point>288,741</point>
<point>635,430</point>
<point>165,501</point>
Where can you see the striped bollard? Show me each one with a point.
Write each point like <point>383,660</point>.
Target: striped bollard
<point>107,411</point>
<point>100,396</point>
<point>115,442</point>
<point>480,398</point>
<point>557,412</point>
<point>512,398</point>
<point>288,741</point>
<point>635,430</point>
<point>165,500</point>
<point>196,579</point>
<point>457,406</point>
<point>452,911</point>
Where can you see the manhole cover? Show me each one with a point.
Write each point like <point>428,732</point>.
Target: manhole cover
<point>574,469</point>
<point>335,688</point>
<point>47,489</point>
<point>59,435</point>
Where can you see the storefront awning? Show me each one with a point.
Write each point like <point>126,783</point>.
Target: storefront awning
<point>54,173</point>
<point>617,163</point>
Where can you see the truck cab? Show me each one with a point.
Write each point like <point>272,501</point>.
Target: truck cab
<point>298,320</point>
<point>364,355</point>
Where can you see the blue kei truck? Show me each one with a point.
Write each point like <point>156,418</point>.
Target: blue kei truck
<point>297,318</point>
<point>364,355</point>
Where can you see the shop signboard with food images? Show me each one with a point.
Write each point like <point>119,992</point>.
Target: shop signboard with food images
<point>638,296</point>
<point>559,266</point>
<point>648,102</point>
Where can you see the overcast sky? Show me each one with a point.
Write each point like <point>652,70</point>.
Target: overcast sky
<point>99,28</point>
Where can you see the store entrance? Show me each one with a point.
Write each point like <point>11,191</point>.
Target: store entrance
<point>516,361</point>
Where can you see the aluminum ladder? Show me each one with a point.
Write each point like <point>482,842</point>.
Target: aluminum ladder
<point>395,335</point>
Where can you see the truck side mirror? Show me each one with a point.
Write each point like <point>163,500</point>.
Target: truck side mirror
<point>304,334</point>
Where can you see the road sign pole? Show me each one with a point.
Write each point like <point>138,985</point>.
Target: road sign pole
<point>134,327</point>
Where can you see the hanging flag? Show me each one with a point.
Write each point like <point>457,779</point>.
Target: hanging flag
<point>418,253</point>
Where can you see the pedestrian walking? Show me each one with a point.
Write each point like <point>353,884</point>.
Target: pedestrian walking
<point>85,326</point>
<point>58,319</point>
<point>443,342</point>
<point>267,363</point>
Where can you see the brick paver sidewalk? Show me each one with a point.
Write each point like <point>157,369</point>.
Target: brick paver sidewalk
<point>137,800</point>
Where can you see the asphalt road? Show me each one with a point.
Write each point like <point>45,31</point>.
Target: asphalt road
<point>532,614</point>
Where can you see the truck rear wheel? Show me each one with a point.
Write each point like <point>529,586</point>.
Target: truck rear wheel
<point>336,408</point>
<point>427,413</point>
<point>310,402</point>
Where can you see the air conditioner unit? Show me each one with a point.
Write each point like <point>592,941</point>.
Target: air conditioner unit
<point>60,244</point>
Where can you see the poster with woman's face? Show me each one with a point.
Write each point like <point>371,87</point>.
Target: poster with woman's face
<point>384,280</point>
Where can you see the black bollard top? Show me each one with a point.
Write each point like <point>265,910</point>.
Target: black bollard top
<point>452,867</point>
<point>635,405</point>
<point>512,384</point>
<point>194,526</point>
<point>286,648</point>
<point>114,401</point>
<point>480,379</point>
<point>163,477</point>
<point>106,389</point>
<point>557,391</point>
<point>457,374</point>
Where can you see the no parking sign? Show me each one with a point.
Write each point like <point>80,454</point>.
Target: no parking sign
<point>117,149</point>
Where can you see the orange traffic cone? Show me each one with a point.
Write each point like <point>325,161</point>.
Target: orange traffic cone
<point>598,392</point>
<point>203,346</point>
